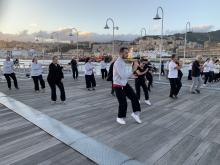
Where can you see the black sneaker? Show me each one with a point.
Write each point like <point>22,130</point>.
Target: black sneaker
<point>198,91</point>
<point>193,92</point>
<point>171,96</point>
<point>89,89</point>
<point>93,88</point>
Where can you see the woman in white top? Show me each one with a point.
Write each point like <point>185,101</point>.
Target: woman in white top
<point>216,70</point>
<point>36,74</point>
<point>211,70</point>
<point>89,75</point>
<point>8,71</point>
<point>206,71</point>
<point>103,69</point>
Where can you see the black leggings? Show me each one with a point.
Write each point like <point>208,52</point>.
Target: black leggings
<point>206,77</point>
<point>149,77</point>
<point>90,81</point>
<point>121,94</point>
<point>36,80</point>
<point>8,79</point>
<point>138,84</point>
<point>75,72</point>
<point>53,85</point>
<point>104,73</point>
<point>175,85</point>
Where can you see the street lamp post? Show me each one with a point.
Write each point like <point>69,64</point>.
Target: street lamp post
<point>37,39</point>
<point>187,30</point>
<point>157,17</point>
<point>113,30</point>
<point>52,37</point>
<point>145,33</point>
<point>77,40</point>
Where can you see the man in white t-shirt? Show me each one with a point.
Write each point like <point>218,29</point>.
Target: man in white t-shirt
<point>175,83</point>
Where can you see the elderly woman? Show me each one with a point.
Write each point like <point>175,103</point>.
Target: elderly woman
<point>55,78</point>
<point>8,72</point>
<point>36,74</point>
<point>89,75</point>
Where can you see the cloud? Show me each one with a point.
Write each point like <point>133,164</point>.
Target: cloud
<point>196,28</point>
<point>63,35</point>
<point>202,28</point>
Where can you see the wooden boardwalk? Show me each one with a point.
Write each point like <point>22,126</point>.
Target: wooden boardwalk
<point>174,132</point>
<point>22,143</point>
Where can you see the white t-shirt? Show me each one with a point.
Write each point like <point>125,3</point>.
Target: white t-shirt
<point>190,66</point>
<point>88,68</point>
<point>103,65</point>
<point>36,69</point>
<point>211,66</point>
<point>8,67</point>
<point>206,67</point>
<point>173,72</point>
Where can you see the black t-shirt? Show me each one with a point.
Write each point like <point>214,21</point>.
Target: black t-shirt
<point>196,69</point>
<point>140,77</point>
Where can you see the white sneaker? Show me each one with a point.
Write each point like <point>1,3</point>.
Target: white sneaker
<point>136,118</point>
<point>139,101</point>
<point>43,90</point>
<point>204,85</point>
<point>62,102</point>
<point>147,102</point>
<point>53,102</point>
<point>121,121</point>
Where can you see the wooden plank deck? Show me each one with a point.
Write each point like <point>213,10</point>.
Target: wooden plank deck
<point>22,143</point>
<point>174,132</point>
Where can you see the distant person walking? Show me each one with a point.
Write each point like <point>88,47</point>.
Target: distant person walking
<point>206,71</point>
<point>36,74</point>
<point>139,73</point>
<point>190,71</point>
<point>175,82</point>
<point>162,69</point>
<point>196,75</point>
<point>89,75</point>
<point>110,77</point>
<point>103,69</point>
<point>74,67</point>
<point>55,78</point>
<point>123,89</point>
<point>8,71</point>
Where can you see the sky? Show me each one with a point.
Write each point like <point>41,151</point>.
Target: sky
<point>89,16</point>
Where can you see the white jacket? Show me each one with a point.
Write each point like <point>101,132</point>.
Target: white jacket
<point>120,72</point>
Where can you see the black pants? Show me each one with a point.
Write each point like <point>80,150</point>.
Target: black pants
<point>149,77</point>
<point>75,72</point>
<point>206,77</point>
<point>90,81</point>
<point>8,78</point>
<point>175,85</point>
<point>36,80</point>
<point>138,84</point>
<point>53,85</point>
<point>104,73</point>
<point>162,72</point>
<point>121,94</point>
<point>211,76</point>
<point>113,91</point>
<point>190,75</point>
